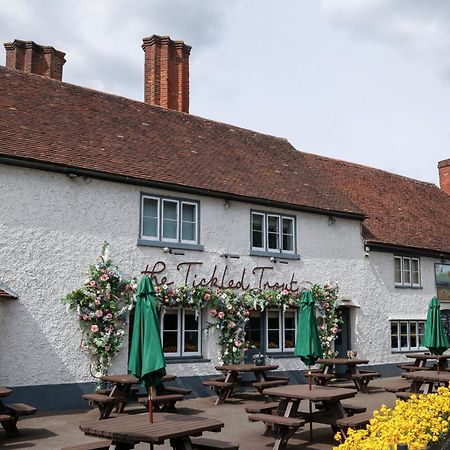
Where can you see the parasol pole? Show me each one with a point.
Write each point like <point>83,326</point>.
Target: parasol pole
<point>437,365</point>
<point>310,407</point>
<point>150,404</point>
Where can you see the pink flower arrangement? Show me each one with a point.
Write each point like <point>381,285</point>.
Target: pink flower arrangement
<point>221,315</point>
<point>237,343</point>
<point>92,283</point>
<point>109,316</point>
<point>207,297</point>
<point>104,277</point>
<point>94,328</point>
<point>99,313</point>
<point>232,325</point>
<point>213,313</point>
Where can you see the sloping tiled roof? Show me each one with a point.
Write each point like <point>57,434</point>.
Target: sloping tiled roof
<point>48,121</point>
<point>400,211</point>
<point>59,123</point>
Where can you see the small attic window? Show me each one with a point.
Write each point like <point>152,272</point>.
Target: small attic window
<point>6,293</point>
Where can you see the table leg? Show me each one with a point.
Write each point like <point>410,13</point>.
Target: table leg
<point>121,390</point>
<point>122,446</point>
<point>415,386</point>
<point>224,393</point>
<point>181,443</point>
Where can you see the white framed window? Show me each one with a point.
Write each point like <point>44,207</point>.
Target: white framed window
<point>180,332</point>
<point>407,271</point>
<point>272,233</point>
<point>406,335</point>
<point>281,330</point>
<point>169,220</point>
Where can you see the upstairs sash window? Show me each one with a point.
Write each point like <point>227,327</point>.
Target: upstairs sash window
<point>406,271</point>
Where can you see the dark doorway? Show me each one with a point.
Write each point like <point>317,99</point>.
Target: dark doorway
<point>342,342</point>
<point>445,319</point>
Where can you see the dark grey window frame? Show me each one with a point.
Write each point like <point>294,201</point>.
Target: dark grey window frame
<point>274,253</point>
<point>160,242</point>
<point>410,285</point>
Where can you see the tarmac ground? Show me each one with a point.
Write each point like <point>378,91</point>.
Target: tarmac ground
<point>54,430</point>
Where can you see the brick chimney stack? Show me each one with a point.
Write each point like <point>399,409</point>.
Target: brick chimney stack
<point>166,72</point>
<point>444,175</point>
<point>30,57</point>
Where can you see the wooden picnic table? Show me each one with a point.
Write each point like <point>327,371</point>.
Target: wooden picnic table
<point>291,396</point>
<point>427,378</point>
<point>224,386</point>
<point>359,376</point>
<point>128,430</point>
<point>10,413</point>
<point>421,359</point>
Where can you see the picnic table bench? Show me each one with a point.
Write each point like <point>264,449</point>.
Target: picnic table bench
<point>224,386</point>
<point>10,413</point>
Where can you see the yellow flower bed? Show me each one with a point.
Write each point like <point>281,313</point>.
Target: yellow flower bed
<point>419,422</point>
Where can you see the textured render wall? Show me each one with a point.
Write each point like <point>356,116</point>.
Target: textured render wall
<point>52,228</point>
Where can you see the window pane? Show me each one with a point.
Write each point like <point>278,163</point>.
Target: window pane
<point>406,271</point>
<point>170,342</point>
<point>170,219</point>
<point>190,322</point>
<point>273,329</point>
<point>191,341</point>
<point>170,320</point>
<point>257,230</point>
<point>150,217</point>
<point>415,279</point>
<point>289,339</point>
<point>420,332</point>
<point>404,334</point>
<point>288,234</point>
<point>253,331</point>
<point>189,220</point>
<point>394,335</point>
<point>273,339</point>
<point>273,229</point>
<point>413,334</point>
<point>289,329</point>
<point>398,270</point>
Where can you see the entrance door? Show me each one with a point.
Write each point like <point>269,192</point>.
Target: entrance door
<point>342,342</point>
<point>445,319</point>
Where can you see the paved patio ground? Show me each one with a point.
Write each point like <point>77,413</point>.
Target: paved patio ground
<point>51,431</point>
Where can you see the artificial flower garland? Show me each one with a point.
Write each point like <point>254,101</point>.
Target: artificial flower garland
<point>103,302</point>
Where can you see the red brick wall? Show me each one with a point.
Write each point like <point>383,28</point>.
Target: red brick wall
<point>166,80</point>
<point>444,175</point>
<point>34,58</point>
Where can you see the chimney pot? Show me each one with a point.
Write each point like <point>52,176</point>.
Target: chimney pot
<point>30,57</point>
<point>166,72</point>
<point>444,175</point>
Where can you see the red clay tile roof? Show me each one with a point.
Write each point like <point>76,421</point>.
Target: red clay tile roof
<point>400,211</point>
<point>48,121</point>
<point>55,122</point>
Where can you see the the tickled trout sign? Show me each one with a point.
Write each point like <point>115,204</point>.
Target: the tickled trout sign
<point>193,272</point>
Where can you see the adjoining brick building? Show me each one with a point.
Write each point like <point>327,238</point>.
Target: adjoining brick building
<point>78,167</point>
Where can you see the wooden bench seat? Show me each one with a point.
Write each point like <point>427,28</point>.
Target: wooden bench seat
<point>351,410</point>
<point>104,403</point>
<point>412,367</point>
<point>261,385</point>
<point>163,402</point>
<point>203,443</point>
<point>356,422</point>
<point>397,386</point>
<point>284,427</point>
<point>176,390</point>
<point>20,409</point>
<point>98,445</point>
<point>259,407</point>
<point>214,383</point>
<point>361,380</point>
<point>406,395</point>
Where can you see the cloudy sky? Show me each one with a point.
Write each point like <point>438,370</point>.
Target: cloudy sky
<point>364,81</point>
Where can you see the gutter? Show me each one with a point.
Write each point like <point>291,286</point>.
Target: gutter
<point>56,168</point>
<point>408,251</point>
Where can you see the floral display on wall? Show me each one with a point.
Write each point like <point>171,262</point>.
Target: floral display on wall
<point>230,311</point>
<point>102,306</point>
<point>103,302</point>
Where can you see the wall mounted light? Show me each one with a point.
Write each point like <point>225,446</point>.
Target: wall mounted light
<point>331,220</point>
<point>276,260</point>
<point>171,251</point>
<point>226,204</point>
<point>71,175</point>
<point>229,255</point>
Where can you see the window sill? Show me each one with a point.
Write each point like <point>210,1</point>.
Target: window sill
<point>407,287</point>
<point>186,359</point>
<point>279,355</point>
<point>294,256</point>
<point>175,245</point>
<point>408,351</point>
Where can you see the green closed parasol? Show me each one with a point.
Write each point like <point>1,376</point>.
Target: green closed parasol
<point>146,355</point>
<point>308,345</point>
<point>434,337</point>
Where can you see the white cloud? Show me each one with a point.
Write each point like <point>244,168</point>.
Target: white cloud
<point>419,28</point>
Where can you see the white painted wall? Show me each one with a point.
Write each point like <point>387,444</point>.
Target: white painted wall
<point>52,228</point>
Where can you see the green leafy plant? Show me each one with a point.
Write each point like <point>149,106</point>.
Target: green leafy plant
<point>102,305</point>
